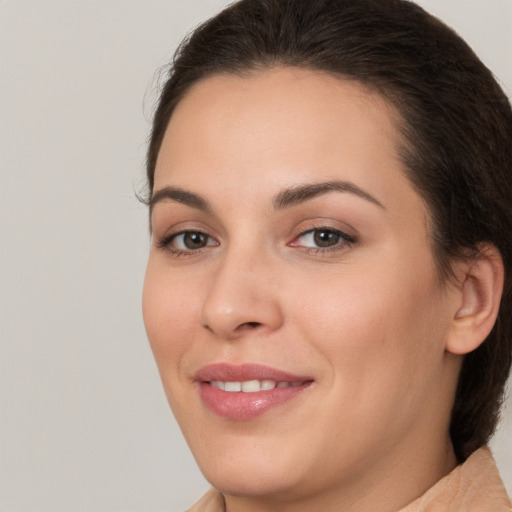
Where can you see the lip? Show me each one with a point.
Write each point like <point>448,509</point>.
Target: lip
<point>246,406</point>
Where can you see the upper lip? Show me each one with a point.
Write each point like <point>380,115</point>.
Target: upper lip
<point>244,372</point>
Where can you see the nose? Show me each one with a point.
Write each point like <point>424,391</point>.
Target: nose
<point>242,298</point>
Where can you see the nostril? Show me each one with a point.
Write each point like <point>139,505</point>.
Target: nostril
<point>246,326</point>
<point>249,325</point>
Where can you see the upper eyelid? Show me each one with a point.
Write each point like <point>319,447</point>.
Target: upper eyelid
<point>328,225</point>
<point>347,232</point>
<point>171,236</point>
<point>346,241</point>
<point>170,216</point>
<point>322,227</point>
<point>171,229</point>
<point>165,243</point>
<point>347,237</point>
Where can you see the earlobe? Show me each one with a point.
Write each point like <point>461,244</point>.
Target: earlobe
<point>479,300</point>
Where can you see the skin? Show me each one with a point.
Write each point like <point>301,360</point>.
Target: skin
<point>369,319</point>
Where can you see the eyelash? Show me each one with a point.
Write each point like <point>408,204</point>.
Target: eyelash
<point>343,240</point>
<point>166,243</point>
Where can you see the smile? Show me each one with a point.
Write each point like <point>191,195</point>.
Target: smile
<point>244,392</point>
<point>253,386</point>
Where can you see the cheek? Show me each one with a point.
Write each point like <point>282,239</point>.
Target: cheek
<point>375,326</point>
<point>383,357</point>
<point>168,308</point>
<point>170,312</point>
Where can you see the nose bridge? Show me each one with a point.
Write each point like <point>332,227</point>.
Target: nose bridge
<point>242,294</point>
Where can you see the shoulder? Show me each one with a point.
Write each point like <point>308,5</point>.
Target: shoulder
<point>212,501</point>
<point>474,486</point>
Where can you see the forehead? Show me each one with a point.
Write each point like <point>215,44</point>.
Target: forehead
<point>279,127</point>
<point>290,94</point>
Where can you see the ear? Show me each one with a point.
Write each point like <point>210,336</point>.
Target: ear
<point>480,288</point>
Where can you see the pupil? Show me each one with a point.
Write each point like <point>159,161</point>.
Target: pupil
<point>326,238</point>
<point>194,240</point>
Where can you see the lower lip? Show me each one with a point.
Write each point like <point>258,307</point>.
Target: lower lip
<point>245,406</point>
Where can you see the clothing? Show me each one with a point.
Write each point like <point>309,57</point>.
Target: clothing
<point>474,486</point>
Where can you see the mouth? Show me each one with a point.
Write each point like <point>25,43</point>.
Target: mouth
<point>252,386</point>
<point>244,392</point>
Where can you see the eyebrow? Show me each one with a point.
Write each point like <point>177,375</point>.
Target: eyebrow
<point>285,199</point>
<point>179,196</point>
<point>299,194</point>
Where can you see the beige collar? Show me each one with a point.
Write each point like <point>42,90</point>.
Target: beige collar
<point>474,486</point>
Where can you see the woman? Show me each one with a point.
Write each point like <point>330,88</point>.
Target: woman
<point>328,291</point>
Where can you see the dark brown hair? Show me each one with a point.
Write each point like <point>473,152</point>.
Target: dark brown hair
<point>456,124</point>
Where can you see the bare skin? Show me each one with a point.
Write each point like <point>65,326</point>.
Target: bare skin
<point>338,284</point>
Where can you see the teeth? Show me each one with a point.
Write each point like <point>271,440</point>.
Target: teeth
<point>267,384</point>
<point>233,386</point>
<point>218,384</point>
<point>252,386</point>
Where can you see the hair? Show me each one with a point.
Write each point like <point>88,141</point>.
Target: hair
<point>456,126</point>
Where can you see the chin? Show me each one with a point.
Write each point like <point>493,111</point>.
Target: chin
<point>250,481</point>
<point>250,468</point>
<point>238,484</point>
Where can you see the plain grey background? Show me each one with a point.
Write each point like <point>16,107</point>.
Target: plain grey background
<point>84,425</point>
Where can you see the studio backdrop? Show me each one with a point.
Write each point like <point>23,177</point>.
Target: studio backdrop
<point>84,424</point>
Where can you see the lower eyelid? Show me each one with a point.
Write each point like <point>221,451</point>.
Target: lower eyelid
<point>344,238</point>
<point>166,242</point>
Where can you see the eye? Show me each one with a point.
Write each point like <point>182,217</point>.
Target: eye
<point>323,239</point>
<point>187,242</point>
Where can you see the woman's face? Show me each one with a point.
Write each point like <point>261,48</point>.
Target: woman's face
<point>291,254</point>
